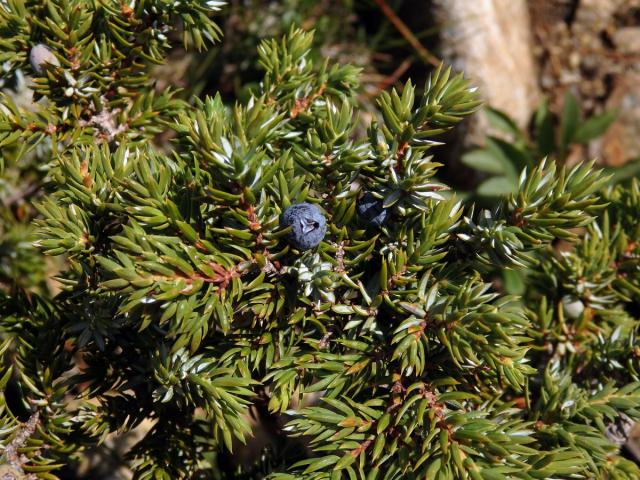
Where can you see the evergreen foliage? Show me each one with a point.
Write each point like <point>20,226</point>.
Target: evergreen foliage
<point>179,298</point>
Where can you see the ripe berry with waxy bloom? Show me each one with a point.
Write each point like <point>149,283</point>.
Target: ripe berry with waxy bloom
<point>370,209</point>
<point>308,225</point>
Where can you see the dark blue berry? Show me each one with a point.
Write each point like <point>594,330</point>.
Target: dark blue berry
<point>371,210</point>
<point>309,225</point>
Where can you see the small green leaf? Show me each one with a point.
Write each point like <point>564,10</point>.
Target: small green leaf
<point>503,122</point>
<point>497,186</point>
<point>483,160</point>
<point>545,134</point>
<point>595,126</point>
<point>342,309</point>
<point>345,461</point>
<point>391,199</point>
<point>570,120</point>
<point>513,282</point>
<point>509,165</point>
<point>624,172</point>
<point>5,378</point>
<point>318,464</point>
<point>517,156</point>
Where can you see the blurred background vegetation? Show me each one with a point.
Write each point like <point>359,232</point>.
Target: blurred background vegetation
<point>559,77</point>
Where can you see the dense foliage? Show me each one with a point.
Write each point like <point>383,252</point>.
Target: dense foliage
<point>154,283</point>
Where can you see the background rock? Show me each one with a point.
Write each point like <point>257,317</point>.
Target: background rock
<point>490,41</point>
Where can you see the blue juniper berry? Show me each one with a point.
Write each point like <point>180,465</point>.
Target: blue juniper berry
<point>370,209</point>
<point>309,225</point>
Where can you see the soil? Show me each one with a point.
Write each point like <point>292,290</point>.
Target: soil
<point>592,48</point>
